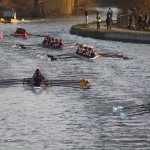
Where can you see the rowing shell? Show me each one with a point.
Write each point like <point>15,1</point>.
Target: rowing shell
<point>38,89</point>
<point>88,58</point>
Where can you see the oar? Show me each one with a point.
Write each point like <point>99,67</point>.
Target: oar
<point>76,44</point>
<point>4,35</point>
<point>120,108</point>
<point>67,81</point>
<point>4,80</point>
<point>70,83</point>
<point>54,58</point>
<point>14,81</point>
<point>81,83</point>
<point>124,116</point>
<point>68,54</point>
<point>63,81</point>
<point>71,45</point>
<point>114,56</point>
<point>10,80</point>
<point>26,46</point>
<point>36,35</point>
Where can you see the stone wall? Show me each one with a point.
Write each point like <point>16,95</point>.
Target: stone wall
<point>113,35</point>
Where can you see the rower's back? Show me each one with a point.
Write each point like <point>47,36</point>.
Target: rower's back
<point>37,78</point>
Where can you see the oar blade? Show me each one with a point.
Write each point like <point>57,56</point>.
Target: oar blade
<point>84,84</point>
<point>115,110</point>
<point>123,116</point>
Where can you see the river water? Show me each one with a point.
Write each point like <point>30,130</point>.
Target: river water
<point>65,118</point>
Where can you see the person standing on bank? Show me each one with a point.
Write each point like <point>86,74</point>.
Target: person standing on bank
<point>139,21</point>
<point>108,22</point>
<point>86,16</point>
<point>98,20</point>
<point>110,12</point>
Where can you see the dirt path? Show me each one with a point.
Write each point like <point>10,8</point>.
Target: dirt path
<point>104,28</point>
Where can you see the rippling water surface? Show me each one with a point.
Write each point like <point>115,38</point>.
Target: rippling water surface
<point>64,118</point>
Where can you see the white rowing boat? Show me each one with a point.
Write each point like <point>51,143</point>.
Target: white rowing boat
<point>38,89</point>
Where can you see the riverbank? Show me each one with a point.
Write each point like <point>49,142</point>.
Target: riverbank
<point>116,34</point>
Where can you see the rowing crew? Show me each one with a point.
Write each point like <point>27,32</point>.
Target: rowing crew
<point>19,32</point>
<point>86,51</point>
<point>51,42</point>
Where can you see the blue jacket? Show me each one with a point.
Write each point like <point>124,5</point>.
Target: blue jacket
<point>108,21</point>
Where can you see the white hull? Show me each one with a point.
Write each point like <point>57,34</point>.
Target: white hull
<point>95,57</point>
<point>87,58</point>
<point>38,89</point>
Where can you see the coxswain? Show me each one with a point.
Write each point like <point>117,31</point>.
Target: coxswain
<point>80,49</point>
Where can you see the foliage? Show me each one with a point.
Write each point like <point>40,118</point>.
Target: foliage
<point>46,7</point>
<point>139,5</point>
<point>57,7</point>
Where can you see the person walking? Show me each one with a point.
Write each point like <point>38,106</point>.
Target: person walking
<point>86,16</point>
<point>108,22</point>
<point>98,20</point>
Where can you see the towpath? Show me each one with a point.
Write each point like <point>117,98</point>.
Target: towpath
<point>119,29</point>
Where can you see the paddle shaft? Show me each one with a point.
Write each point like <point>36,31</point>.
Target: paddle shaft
<point>36,35</point>
<point>114,56</point>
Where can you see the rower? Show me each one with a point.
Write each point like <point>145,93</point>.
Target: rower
<point>92,53</point>
<point>19,31</point>
<point>60,44</point>
<point>45,39</point>
<point>38,79</point>
<point>85,50</point>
